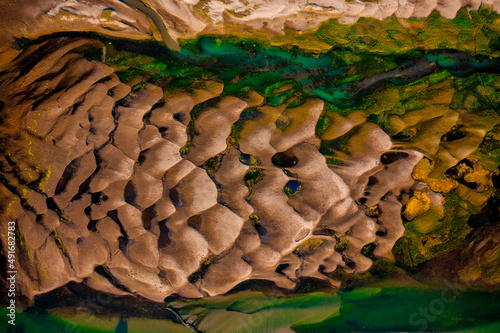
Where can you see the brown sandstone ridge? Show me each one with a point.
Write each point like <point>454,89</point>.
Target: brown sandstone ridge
<point>92,172</point>
<point>167,20</point>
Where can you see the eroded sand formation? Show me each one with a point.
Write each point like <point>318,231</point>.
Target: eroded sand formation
<point>108,189</point>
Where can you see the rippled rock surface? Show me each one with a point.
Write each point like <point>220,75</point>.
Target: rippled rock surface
<point>93,173</point>
<point>135,170</point>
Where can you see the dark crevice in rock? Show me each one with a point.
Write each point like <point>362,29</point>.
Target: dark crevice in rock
<point>348,261</point>
<point>61,247</point>
<point>130,193</point>
<point>148,216</point>
<point>393,156</point>
<point>195,221</point>
<point>142,156</point>
<point>285,159</point>
<point>67,175</point>
<point>104,272</point>
<point>164,239</point>
<point>382,232</point>
<point>52,205</point>
<point>76,105</point>
<point>66,83</point>
<point>176,196</point>
<point>95,198</point>
<point>113,214</point>
<point>456,133</point>
<point>85,186</point>
<point>123,241</point>
<point>281,267</point>
<point>180,117</point>
<point>92,225</point>
<point>198,275</point>
<point>124,244</point>
<point>163,131</point>
<point>488,216</point>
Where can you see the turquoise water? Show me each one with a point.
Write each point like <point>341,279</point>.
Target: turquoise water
<point>334,76</point>
<point>339,76</point>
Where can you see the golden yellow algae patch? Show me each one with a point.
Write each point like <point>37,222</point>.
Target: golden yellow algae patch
<point>422,170</point>
<point>442,185</point>
<point>308,247</point>
<point>418,204</point>
<point>478,174</point>
<point>421,173</point>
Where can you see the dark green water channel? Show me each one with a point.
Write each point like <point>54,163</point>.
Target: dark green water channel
<point>364,310</point>
<point>340,76</point>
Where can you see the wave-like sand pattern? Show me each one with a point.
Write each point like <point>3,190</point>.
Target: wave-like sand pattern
<point>92,172</point>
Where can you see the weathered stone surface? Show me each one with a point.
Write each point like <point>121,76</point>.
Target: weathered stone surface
<point>125,184</point>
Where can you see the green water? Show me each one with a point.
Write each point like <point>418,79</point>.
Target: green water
<point>395,310</point>
<point>367,309</point>
<point>28,322</point>
<point>339,76</point>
